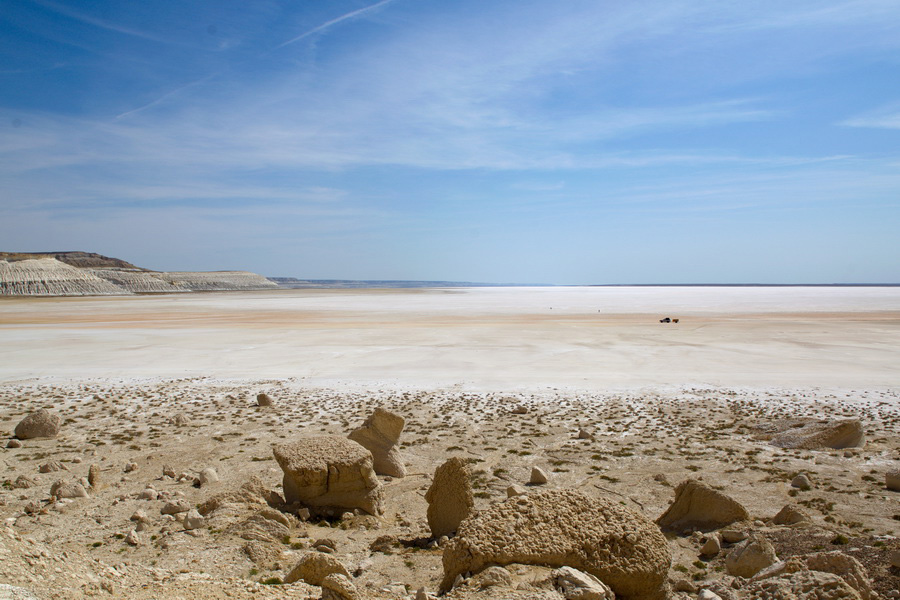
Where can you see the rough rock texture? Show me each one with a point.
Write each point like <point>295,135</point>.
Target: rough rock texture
<point>750,557</point>
<point>565,528</point>
<point>263,399</point>
<point>846,433</point>
<point>39,424</point>
<point>63,489</point>
<point>218,280</point>
<point>339,587</point>
<point>576,585</point>
<point>75,258</point>
<point>892,480</point>
<point>329,474</point>
<point>802,585</point>
<point>449,497</point>
<point>790,515</point>
<point>379,434</point>
<point>837,563</point>
<point>253,493</point>
<point>138,281</point>
<point>698,506</point>
<point>50,277</point>
<point>315,567</point>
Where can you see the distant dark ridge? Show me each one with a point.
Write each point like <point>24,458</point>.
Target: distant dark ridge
<point>75,258</point>
<point>295,283</point>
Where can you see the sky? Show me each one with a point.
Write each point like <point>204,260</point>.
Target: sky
<point>567,142</point>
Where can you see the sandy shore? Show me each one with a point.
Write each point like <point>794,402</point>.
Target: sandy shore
<point>661,403</point>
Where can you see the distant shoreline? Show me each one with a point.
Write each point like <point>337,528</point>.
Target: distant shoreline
<point>296,283</point>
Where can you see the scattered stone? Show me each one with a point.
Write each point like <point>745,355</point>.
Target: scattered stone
<point>168,471</point>
<point>576,585</point>
<point>802,482</point>
<point>895,559</point>
<point>133,538</point>
<point>314,567</point>
<point>584,434</point>
<point>181,420</point>
<point>193,520</point>
<point>175,507</point>
<point>698,506</point>
<point>491,577</point>
<point>148,494</point>
<point>380,434</point>
<point>847,433</point>
<point>520,410</point>
<point>131,467</point>
<point>837,563</point>
<point>13,443</point>
<point>560,528</point>
<point>52,467</point>
<point>62,489</point>
<point>140,516</point>
<point>450,497</point>
<point>208,476</point>
<point>329,473</point>
<point>892,480</point>
<point>339,587</point>
<point>750,557</point>
<point>802,585</point>
<point>264,554</point>
<point>708,595</point>
<point>790,515</point>
<point>733,536</point>
<point>94,478</point>
<point>10,592</point>
<point>264,399</point>
<point>538,476</point>
<point>711,547</point>
<point>39,424</point>
<point>515,490</point>
<point>23,483</point>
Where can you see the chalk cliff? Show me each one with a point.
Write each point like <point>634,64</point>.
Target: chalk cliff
<point>87,274</point>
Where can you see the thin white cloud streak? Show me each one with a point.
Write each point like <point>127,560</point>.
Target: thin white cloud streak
<point>83,18</point>
<point>887,117</point>
<point>166,96</point>
<point>327,25</point>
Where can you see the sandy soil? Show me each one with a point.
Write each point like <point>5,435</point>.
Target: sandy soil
<point>664,402</point>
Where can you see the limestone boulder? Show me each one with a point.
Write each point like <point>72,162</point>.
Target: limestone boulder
<point>559,528</point>
<point>450,497</point>
<point>698,506</point>
<point>892,480</point>
<point>339,587</point>
<point>380,435</point>
<point>750,557</point>
<point>314,567</point>
<point>845,433</point>
<point>328,475</point>
<point>63,489</point>
<point>791,514</point>
<point>576,585</point>
<point>836,562</point>
<point>39,424</point>
<point>264,399</point>
<point>801,585</point>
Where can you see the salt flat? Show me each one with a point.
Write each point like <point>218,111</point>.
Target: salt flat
<point>477,338</point>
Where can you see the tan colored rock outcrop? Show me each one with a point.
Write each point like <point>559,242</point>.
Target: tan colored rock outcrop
<point>314,567</point>
<point>698,506</point>
<point>836,562</point>
<point>329,474</point>
<point>801,585</point>
<point>791,514</point>
<point>560,528</point>
<point>39,424</point>
<point>379,434</point>
<point>847,433</point>
<point>217,280</point>
<point>449,497</point>
<point>750,557</point>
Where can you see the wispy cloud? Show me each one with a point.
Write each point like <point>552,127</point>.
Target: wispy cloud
<point>887,117</point>
<point>328,24</point>
<point>102,24</point>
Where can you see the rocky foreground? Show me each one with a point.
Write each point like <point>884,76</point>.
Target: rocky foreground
<point>86,274</point>
<point>198,488</point>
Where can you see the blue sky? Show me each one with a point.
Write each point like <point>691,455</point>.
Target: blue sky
<point>506,141</point>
